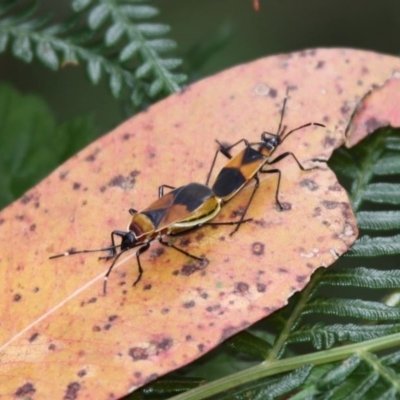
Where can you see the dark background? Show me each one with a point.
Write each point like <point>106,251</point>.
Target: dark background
<point>279,26</point>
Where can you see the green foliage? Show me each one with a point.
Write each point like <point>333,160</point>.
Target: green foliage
<point>32,143</point>
<point>326,343</point>
<point>111,37</point>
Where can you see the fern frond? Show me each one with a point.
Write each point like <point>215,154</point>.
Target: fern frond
<point>368,246</point>
<point>361,277</point>
<point>323,336</point>
<point>378,220</point>
<point>139,67</point>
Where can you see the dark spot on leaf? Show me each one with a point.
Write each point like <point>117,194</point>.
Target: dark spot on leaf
<point>81,373</point>
<point>147,287</point>
<point>330,205</point>
<point>191,268</point>
<point>35,289</point>
<point>126,136</point>
<point>2,220</point>
<point>261,287</point>
<point>257,248</point>
<point>138,353</point>
<point>25,390</point>
<point>317,212</point>
<point>92,157</point>
<point>76,186</point>
<point>20,217</point>
<point>199,236</point>
<point>204,295</point>
<point>72,391</point>
<point>310,266</point>
<point>241,287</point>
<point>32,228</point>
<point>33,337</point>
<point>26,199</point>
<point>124,182</point>
<point>301,278</point>
<point>228,332</point>
<point>201,347</point>
<point>107,327</point>
<point>213,308</point>
<point>335,188</point>
<point>102,189</point>
<point>309,184</point>
<point>184,242</point>
<point>329,142</point>
<point>189,304</point>
<point>237,213</point>
<point>63,174</point>
<point>272,93</point>
<point>165,311</point>
<point>345,109</point>
<point>92,300</point>
<point>372,124</point>
<point>137,375</point>
<point>17,297</point>
<point>320,64</point>
<point>52,347</point>
<point>189,338</point>
<point>283,270</point>
<point>164,345</point>
<point>96,328</point>
<point>157,252</point>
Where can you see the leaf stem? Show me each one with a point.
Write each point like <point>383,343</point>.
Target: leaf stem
<point>279,366</point>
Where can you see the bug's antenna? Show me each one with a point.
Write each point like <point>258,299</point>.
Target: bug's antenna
<point>73,252</point>
<point>283,112</point>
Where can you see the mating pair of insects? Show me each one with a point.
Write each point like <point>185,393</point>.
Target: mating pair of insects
<point>195,204</point>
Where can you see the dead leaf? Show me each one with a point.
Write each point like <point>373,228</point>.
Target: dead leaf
<point>378,108</point>
<point>61,338</point>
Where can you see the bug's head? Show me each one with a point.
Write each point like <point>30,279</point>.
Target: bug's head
<point>270,141</point>
<point>128,241</point>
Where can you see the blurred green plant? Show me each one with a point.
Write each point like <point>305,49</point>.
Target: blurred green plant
<point>32,142</point>
<point>110,36</point>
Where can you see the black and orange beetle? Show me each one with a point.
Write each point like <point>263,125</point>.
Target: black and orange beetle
<point>179,210</point>
<point>248,163</point>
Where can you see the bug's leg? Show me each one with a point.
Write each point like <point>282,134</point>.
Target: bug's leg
<point>109,272</point>
<point>169,244</point>
<point>225,151</point>
<point>241,220</point>
<point>161,189</point>
<point>289,153</point>
<point>113,251</point>
<point>140,269</point>
<point>275,171</point>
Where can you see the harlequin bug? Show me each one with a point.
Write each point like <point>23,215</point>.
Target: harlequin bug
<point>248,163</point>
<point>179,210</point>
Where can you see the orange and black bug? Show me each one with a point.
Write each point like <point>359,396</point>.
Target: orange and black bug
<point>251,161</point>
<point>179,210</point>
